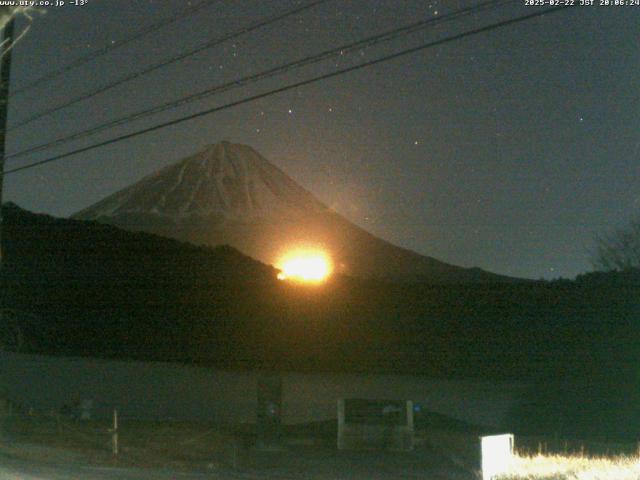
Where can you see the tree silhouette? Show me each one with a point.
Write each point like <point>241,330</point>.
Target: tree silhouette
<point>619,250</point>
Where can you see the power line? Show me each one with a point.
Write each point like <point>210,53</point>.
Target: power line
<point>363,43</point>
<point>292,86</point>
<point>116,44</point>
<point>181,56</point>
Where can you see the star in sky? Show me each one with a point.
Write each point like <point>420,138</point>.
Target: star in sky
<point>448,95</point>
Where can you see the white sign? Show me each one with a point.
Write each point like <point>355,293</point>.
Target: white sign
<point>497,454</point>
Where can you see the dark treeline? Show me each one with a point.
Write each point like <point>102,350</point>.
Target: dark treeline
<point>83,288</point>
<point>78,288</point>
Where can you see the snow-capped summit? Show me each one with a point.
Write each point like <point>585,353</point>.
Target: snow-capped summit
<point>230,194</point>
<point>227,181</point>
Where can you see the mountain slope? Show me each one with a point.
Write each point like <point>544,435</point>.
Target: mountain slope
<point>229,194</point>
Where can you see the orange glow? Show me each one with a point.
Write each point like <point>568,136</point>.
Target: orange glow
<point>309,266</point>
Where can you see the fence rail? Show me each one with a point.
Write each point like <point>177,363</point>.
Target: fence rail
<point>127,441</point>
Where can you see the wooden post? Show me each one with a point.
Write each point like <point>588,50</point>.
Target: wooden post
<point>341,425</point>
<point>235,452</point>
<point>56,415</point>
<point>114,433</point>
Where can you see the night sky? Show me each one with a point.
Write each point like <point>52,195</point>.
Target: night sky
<point>509,150</point>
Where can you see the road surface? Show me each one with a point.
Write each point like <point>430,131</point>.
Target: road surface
<point>308,464</point>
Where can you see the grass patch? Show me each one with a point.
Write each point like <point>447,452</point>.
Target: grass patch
<point>573,467</point>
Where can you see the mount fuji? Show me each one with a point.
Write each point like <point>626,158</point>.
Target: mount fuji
<point>229,194</point>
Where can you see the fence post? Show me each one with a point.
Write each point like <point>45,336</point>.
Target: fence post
<point>56,416</point>
<point>114,433</point>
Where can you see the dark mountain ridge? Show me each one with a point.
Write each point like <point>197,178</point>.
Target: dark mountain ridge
<point>92,289</point>
<point>86,289</point>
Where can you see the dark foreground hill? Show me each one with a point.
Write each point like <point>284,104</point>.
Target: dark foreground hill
<point>83,288</point>
<point>90,289</point>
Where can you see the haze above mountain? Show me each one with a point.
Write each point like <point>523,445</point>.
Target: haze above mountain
<point>230,194</point>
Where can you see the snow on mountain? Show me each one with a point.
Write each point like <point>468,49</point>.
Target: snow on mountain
<point>229,194</point>
<point>228,181</point>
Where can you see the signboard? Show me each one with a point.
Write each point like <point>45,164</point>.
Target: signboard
<point>497,453</point>
<point>375,424</point>
<point>375,412</point>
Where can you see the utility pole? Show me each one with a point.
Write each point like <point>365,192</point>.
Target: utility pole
<point>5,78</point>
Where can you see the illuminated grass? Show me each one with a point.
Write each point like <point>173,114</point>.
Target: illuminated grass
<point>574,467</point>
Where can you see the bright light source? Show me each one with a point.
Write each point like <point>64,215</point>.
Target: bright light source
<point>310,266</point>
<point>497,455</point>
